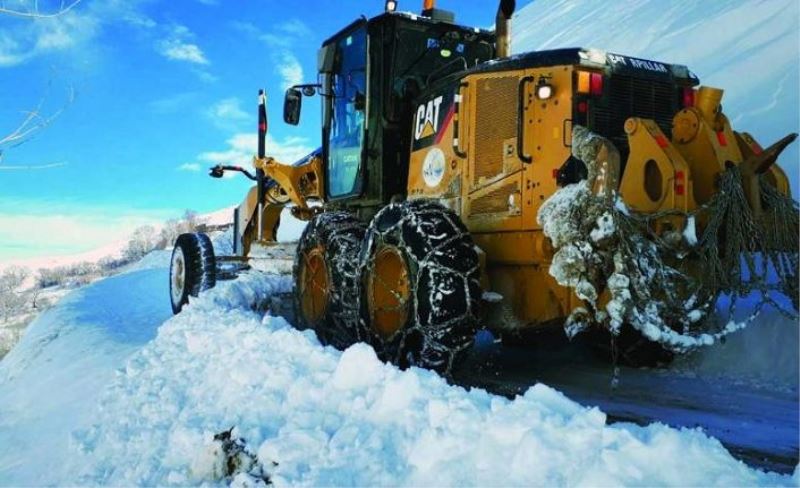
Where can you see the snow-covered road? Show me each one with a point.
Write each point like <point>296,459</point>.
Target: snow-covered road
<point>100,391</point>
<point>52,380</point>
<point>752,408</point>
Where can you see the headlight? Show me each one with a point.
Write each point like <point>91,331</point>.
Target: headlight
<point>544,90</point>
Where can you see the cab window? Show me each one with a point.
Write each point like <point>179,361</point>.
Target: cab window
<point>349,95</point>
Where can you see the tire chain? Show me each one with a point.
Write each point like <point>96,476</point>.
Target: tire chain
<point>440,254</point>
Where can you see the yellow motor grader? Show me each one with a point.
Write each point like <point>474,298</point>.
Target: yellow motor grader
<point>437,180</point>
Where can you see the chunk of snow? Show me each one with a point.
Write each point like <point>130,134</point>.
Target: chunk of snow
<point>605,228</point>
<point>689,233</point>
<point>492,297</point>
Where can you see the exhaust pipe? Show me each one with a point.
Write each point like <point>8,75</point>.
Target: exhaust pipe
<point>503,27</point>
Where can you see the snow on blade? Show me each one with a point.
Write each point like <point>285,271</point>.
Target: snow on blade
<point>589,242</point>
<point>316,416</point>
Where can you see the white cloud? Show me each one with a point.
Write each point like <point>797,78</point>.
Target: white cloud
<point>11,53</point>
<point>29,232</point>
<point>182,51</point>
<point>178,46</point>
<point>24,40</point>
<point>190,167</point>
<point>295,27</point>
<point>290,70</point>
<point>227,110</point>
<point>242,147</point>
<point>281,39</point>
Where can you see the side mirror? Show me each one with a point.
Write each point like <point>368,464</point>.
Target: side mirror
<point>292,104</point>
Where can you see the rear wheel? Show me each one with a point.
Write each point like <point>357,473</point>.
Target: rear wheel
<point>326,278</point>
<point>192,268</point>
<point>420,285</point>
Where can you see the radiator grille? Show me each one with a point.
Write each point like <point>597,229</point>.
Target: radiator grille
<point>629,96</point>
<point>496,122</point>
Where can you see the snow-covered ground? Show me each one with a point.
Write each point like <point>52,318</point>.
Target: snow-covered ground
<point>108,395</point>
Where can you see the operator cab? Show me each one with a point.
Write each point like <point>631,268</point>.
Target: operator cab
<point>369,75</point>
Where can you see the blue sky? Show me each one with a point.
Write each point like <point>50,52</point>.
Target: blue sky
<point>162,90</point>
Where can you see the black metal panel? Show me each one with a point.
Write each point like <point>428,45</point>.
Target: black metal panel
<point>633,96</point>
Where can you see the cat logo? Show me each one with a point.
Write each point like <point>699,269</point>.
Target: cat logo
<point>427,119</point>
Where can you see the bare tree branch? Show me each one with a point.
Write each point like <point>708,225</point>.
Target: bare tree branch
<point>32,123</point>
<point>34,12</point>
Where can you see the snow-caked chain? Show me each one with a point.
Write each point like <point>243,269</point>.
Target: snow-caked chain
<point>340,235</point>
<point>431,239</point>
<point>648,276</point>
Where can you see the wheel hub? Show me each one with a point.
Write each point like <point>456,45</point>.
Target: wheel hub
<point>314,285</point>
<point>388,291</point>
<point>177,275</point>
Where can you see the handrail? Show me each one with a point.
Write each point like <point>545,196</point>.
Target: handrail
<point>525,158</point>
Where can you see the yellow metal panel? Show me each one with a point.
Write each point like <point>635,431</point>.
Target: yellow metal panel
<point>548,130</point>
<point>654,162</point>
<point>704,137</point>
<point>528,247</point>
<point>531,294</point>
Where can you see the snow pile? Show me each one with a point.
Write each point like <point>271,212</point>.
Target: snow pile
<point>316,416</point>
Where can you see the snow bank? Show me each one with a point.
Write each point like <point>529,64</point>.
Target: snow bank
<point>51,381</point>
<point>332,418</point>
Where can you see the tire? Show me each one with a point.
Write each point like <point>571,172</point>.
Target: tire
<point>327,257</point>
<point>192,269</point>
<point>420,285</point>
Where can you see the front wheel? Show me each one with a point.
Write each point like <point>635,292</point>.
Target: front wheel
<point>192,268</point>
<point>420,281</point>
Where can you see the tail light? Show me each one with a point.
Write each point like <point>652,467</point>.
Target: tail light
<point>680,183</point>
<point>590,83</point>
<point>596,84</point>
<point>688,97</point>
